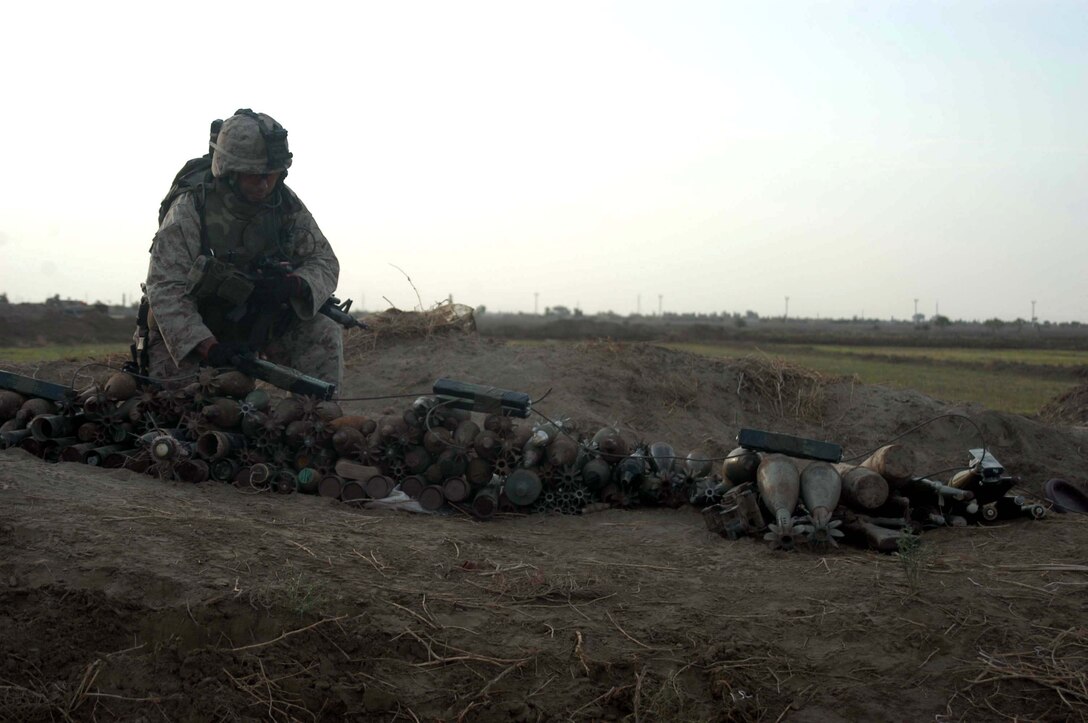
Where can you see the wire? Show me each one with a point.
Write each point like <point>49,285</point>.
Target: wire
<point>388,396</point>
<point>542,397</point>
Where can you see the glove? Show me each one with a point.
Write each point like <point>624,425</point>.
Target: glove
<point>222,353</point>
<point>277,289</point>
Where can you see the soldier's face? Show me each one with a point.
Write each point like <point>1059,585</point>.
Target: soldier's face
<point>257,187</point>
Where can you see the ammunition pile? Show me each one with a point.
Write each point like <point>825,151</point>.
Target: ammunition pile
<point>221,427</point>
<point>794,502</point>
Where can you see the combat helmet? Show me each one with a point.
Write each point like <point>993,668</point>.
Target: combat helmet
<point>250,142</point>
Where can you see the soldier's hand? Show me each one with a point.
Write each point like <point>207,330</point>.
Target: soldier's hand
<point>278,289</point>
<point>221,354</point>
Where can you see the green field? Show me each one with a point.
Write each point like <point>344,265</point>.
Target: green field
<point>953,375</point>
<point>75,352</point>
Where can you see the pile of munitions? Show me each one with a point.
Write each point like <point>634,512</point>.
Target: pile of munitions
<point>222,427</point>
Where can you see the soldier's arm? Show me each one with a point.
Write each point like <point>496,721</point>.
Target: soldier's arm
<point>175,248</point>
<point>315,263</point>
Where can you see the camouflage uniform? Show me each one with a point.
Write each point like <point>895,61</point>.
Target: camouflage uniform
<point>243,234</point>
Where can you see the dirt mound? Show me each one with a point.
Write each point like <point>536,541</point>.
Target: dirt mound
<point>1068,408</point>
<point>129,598</point>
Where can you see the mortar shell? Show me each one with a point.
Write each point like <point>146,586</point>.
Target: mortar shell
<point>862,488</point>
<point>235,384</point>
<point>347,441</point>
<point>437,440</point>
<point>465,433</point>
<point>32,408</point>
<point>120,386</point>
<point>287,410</point>
<point>779,485</point>
<point>611,445</point>
<point>412,485</point>
<point>562,451</point>
<point>166,448</point>
<point>11,426</point>
<point>378,487</point>
<point>10,402</point>
<point>523,487</point>
<point>821,486</point>
<point>224,412</point>
<point>330,486</point>
<point>432,498</point>
<point>697,464</point>
<point>893,462</point>
<point>740,466</point>
<point>417,459</point>
<point>596,473</point>
<point>456,489</point>
<point>487,444</point>
<point>283,482</point>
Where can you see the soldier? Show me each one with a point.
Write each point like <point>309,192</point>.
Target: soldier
<point>238,264</point>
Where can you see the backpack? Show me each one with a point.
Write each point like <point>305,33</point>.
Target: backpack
<point>194,174</point>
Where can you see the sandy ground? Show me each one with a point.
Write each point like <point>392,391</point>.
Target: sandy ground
<point>129,598</point>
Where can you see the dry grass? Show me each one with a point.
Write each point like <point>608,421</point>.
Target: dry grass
<point>789,389</point>
<point>394,324</point>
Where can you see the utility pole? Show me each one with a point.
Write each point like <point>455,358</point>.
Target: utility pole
<point>1033,311</point>
<point>536,303</point>
<point>787,314</point>
<point>915,310</point>
<point>659,297</point>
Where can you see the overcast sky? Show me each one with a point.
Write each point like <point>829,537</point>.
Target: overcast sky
<point>707,156</point>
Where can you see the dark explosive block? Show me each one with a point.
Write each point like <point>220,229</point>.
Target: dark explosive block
<point>789,445</point>
<point>484,399</point>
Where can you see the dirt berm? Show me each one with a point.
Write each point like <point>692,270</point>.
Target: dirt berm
<point>129,598</point>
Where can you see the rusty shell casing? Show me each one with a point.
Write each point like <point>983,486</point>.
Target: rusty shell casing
<point>893,462</point>
<point>216,445</point>
<point>10,402</point>
<point>330,486</point>
<point>465,434</point>
<point>120,386</point>
<point>487,444</point>
<point>48,426</point>
<point>456,489</point>
<point>562,451</point>
<point>34,407</point>
<point>235,384</point>
<point>378,487</point>
<point>223,412</point>
<point>417,459</point>
<point>412,485</point>
<point>287,410</point>
<point>821,486</point>
<point>192,470</point>
<point>523,487</point>
<point>437,440</point>
<point>610,444</point>
<point>347,441</point>
<point>779,485</point>
<point>352,491</point>
<point>862,488</point>
<point>739,466</point>
<point>328,410</point>
<point>432,498</point>
<point>353,421</point>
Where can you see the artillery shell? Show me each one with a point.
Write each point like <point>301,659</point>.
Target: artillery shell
<point>308,481</point>
<point>523,487</point>
<point>862,488</point>
<point>431,498</point>
<point>412,485</point>
<point>456,489</point>
<point>353,470</point>
<point>378,487</point>
<point>740,466</point>
<point>10,402</point>
<point>893,462</point>
<point>330,486</point>
<point>120,386</point>
<point>235,384</point>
